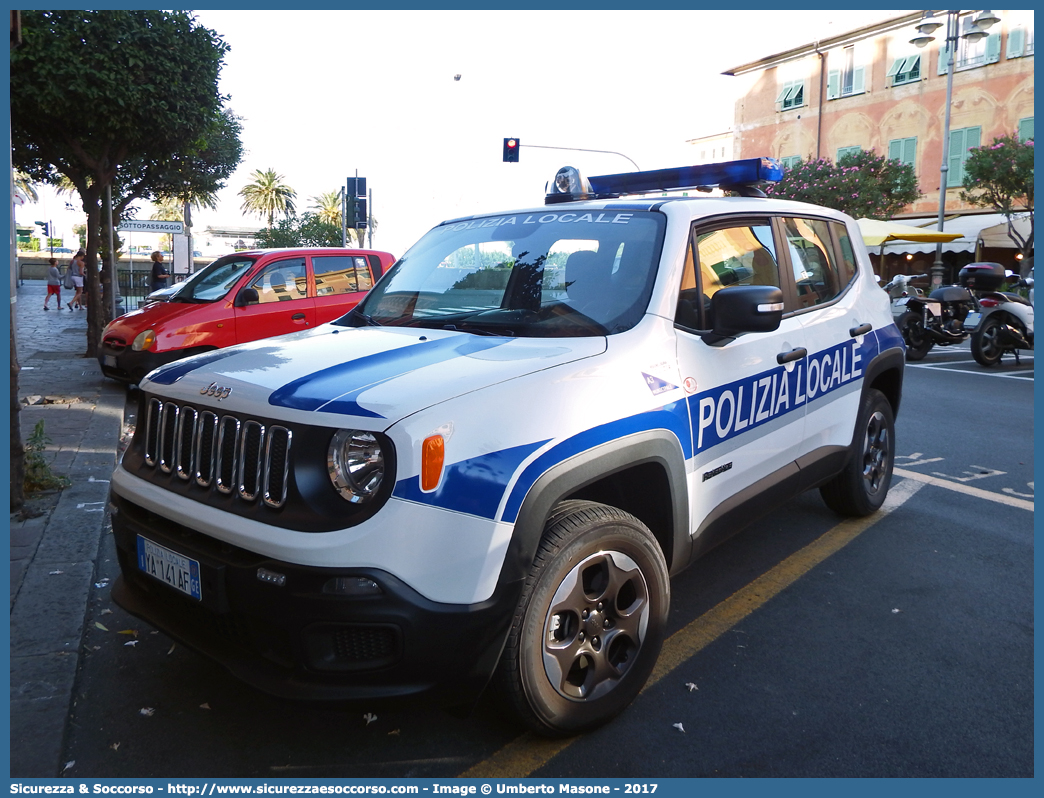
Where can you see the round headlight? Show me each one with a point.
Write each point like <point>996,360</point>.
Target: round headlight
<point>355,463</point>
<point>143,340</point>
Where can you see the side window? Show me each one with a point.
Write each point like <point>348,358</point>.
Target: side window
<point>848,261</point>
<point>282,281</point>
<point>341,274</point>
<point>724,257</point>
<point>811,256</point>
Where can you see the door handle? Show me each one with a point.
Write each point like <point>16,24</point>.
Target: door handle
<point>793,354</point>
<point>297,316</point>
<point>862,329</point>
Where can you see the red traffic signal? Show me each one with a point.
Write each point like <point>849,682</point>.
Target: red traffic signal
<point>511,150</point>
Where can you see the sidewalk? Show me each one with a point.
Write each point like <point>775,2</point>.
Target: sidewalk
<point>53,556</point>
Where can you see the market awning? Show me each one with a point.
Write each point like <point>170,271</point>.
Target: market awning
<point>997,236</point>
<point>968,226</point>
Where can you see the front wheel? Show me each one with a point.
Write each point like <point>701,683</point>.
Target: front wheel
<point>985,342</point>
<point>590,622</point>
<point>861,488</point>
<point>918,344</point>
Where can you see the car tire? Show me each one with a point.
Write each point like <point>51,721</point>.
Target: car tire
<point>590,622</point>
<point>918,344</point>
<point>985,342</point>
<point>860,489</point>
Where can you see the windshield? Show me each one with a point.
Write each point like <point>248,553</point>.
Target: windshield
<point>556,274</point>
<point>212,282</point>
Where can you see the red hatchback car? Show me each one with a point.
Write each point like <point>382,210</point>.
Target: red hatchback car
<point>238,298</point>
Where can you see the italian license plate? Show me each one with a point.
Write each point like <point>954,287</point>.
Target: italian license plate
<point>971,321</point>
<point>176,570</point>
<point>110,361</point>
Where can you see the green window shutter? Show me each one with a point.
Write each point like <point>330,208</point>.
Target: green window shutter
<point>896,67</point>
<point>993,43</point>
<point>833,84</point>
<point>1016,43</point>
<point>1026,129</point>
<point>953,175</point>
<point>944,54</point>
<point>799,94</point>
<point>895,150</point>
<point>785,91</point>
<point>910,152</point>
<point>859,80</point>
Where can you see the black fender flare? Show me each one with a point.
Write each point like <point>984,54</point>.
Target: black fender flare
<point>876,374</point>
<point>657,446</point>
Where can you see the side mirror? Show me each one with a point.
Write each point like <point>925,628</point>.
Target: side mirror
<point>246,296</point>
<point>744,309</point>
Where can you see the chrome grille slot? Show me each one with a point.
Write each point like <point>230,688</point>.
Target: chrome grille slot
<point>167,436</point>
<point>251,441</point>
<point>237,457</point>
<point>185,437</point>
<point>277,465</point>
<point>206,447</point>
<point>225,469</point>
<point>152,416</point>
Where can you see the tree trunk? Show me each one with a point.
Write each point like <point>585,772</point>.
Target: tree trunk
<point>17,447</point>
<point>96,316</point>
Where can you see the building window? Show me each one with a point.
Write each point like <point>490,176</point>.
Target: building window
<point>1026,129</point>
<point>849,79</point>
<point>903,150</point>
<point>1020,42</point>
<point>905,69</point>
<point>790,161</point>
<point>792,95</point>
<point>972,54</point>
<point>961,141</point>
<point>843,151</point>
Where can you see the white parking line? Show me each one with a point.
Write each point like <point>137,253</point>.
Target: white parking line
<point>968,490</point>
<point>1011,375</point>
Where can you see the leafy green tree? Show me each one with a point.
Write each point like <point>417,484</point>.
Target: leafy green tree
<point>863,184</point>
<point>120,100</point>
<point>268,195</point>
<point>1000,176</point>
<point>308,231</point>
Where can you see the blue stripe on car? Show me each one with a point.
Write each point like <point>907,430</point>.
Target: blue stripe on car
<point>336,388</point>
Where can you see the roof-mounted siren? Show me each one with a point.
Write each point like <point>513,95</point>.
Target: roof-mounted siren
<point>746,177</point>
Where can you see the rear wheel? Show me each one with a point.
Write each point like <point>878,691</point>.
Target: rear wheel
<point>861,488</point>
<point>590,622</point>
<point>918,344</point>
<point>985,342</point>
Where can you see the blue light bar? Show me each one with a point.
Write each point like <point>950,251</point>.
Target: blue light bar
<point>750,171</point>
<point>741,176</point>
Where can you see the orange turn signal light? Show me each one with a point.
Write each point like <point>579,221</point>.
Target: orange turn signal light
<point>433,455</point>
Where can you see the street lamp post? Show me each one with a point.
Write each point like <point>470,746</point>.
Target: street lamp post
<point>929,24</point>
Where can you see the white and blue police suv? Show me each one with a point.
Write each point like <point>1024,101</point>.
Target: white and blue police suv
<point>492,466</point>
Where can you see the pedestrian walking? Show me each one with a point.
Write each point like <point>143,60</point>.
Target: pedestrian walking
<point>54,284</point>
<point>78,272</point>
<point>159,271</point>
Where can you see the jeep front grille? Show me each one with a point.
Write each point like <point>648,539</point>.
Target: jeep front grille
<point>230,455</point>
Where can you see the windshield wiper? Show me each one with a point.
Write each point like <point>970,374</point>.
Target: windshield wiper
<point>474,330</point>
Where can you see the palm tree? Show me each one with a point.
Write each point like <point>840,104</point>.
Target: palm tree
<point>328,207</point>
<point>25,185</point>
<point>267,195</point>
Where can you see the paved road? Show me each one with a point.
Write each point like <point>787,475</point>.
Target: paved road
<point>902,646</point>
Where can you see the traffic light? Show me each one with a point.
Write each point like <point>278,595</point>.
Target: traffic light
<point>360,212</point>
<point>511,150</point>
<point>46,229</point>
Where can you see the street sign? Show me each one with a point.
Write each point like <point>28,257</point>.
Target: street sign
<point>150,226</point>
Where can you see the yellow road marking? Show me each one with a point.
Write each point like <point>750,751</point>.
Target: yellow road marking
<point>960,487</point>
<point>525,754</point>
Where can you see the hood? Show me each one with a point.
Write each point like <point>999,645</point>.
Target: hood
<point>152,315</point>
<point>380,374</point>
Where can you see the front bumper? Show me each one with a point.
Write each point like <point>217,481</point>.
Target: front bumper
<point>293,640</point>
<point>126,365</point>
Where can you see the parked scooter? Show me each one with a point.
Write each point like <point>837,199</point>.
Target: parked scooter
<point>1004,320</point>
<point>899,288</point>
<point>936,319</point>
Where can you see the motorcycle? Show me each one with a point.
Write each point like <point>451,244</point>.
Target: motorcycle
<point>1003,323</point>
<point>899,288</point>
<point>936,319</point>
